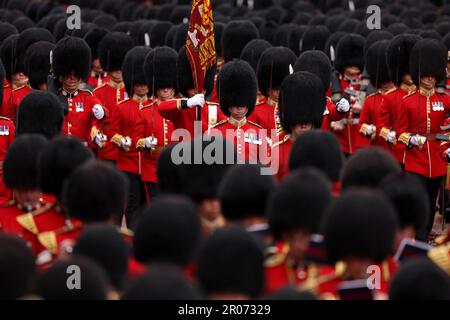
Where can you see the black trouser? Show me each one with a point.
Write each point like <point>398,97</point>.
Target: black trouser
<point>136,198</point>
<point>152,189</point>
<point>432,186</point>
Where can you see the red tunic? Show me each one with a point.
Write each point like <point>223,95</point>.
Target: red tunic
<point>7,90</point>
<point>123,124</point>
<point>283,149</point>
<point>110,95</point>
<point>11,106</point>
<point>389,112</point>
<point>182,117</point>
<point>267,115</point>
<point>7,133</point>
<point>424,114</point>
<point>347,129</point>
<point>151,124</point>
<point>249,139</point>
<point>80,119</point>
<point>370,115</point>
<point>97,80</point>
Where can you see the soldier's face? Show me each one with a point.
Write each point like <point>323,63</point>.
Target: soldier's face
<point>298,240</point>
<point>165,94</point>
<point>301,128</point>
<point>407,79</point>
<point>238,112</point>
<point>351,73</point>
<point>140,90</point>
<point>96,66</point>
<point>116,76</point>
<point>19,79</point>
<point>71,82</point>
<point>428,82</point>
<point>27,197</point>
<point>274,94</point>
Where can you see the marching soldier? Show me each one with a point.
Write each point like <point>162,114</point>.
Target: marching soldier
<point>58,160</point>
<point>183,112</point>
<point>274,65</point>
<point>7,57</point>
<point>318,63</point>
<point>97,75</point>
<point>111,50</point>
<point>294,214</point>
<point>20,175</point>
<point>398,54</point>
<point>38,64</point>
<point>421,116</point>
<point>71,61</point>
<point>153,131</point>
<point>349,65</point>
<point>359,231</point>
<point>123,126</point>
<point>302,101</point>
<point>25,39</point>
<point>377,68</point>
<point>94,193</point>
<point>237,92</point>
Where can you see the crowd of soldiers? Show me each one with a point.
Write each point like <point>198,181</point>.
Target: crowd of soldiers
<point>353,123</point>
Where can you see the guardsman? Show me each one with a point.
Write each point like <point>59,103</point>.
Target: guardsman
<point>58,160</point>
<point>377,68</point>
<point>112,50</point>
<point>275,64</point>
<point>237,92</point>
<point>345,83</point>
<point>7,133</point>
<point>240,194</point>
<point>123,126</point>
<point>359,232</point>
<point>153,131</point>
<point>321,150</point>
<point>38,65</point>
<point>20,175</point>
<point>421,116</point>
<point>294,214</point>
<point>165,236</point>
<point>98,76</point>
<point>25,39</point>
<point>103,190</point>
<point>302,101</point>
<point>183,112</point>
<point>11,83</point>
<point>71,62</point>
<point>398,54</point>
<point>318,63</point>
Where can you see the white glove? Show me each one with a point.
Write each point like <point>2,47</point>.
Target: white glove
<point>417,140</point>
<point>197,100</point>
<point>343,105</point>
<point>125,143</point>
<point>447,154</point>
<point>98,111</point>
<point>100,140</point>
<point>391,137</point>
<point>150,142</point>
<point>370,130</point>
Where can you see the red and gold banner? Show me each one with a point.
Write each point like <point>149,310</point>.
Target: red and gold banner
<point>200,45</point>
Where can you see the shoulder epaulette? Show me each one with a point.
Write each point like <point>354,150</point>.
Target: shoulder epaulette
<point>391,90</point>
<point>150,103</point>
<point>27,222</point>
<point>285,138</point>
<point>99,87</point>
<point>254,123</point>
<point>275,257</point>
<point>5,118</point>
<point>13,90</point>
<point>125,100</point>
<point>372,94</point>
<point>86,90</point>
<point>409,94</point>
<point>220,123</point>
<point>48,241</point>
<point>126,232</point>
<point>8,204</point>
